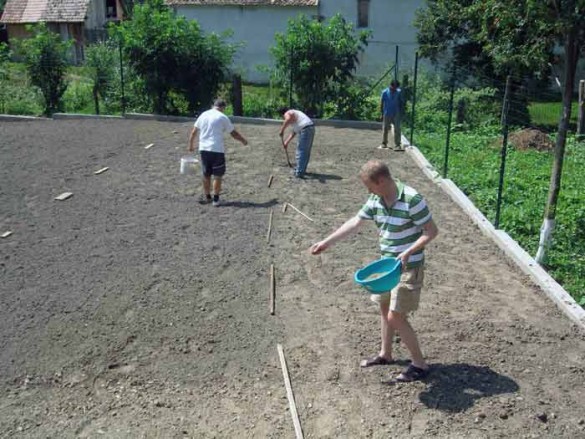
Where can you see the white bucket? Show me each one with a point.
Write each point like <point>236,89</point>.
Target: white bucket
<point>188,164</point>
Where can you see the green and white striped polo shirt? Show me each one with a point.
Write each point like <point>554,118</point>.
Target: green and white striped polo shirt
<point>400,224</point>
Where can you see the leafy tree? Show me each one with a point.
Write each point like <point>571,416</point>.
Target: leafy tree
<point>101,57</point>
<point>321,59</point>
<point>513,36</point>
<point>173,57</point>
<point>46,59</point>
<point>4,57</point>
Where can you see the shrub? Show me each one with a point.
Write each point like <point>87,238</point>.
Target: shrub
<point>322,56</point>
<point>172,56</point>
<point>45,56</point>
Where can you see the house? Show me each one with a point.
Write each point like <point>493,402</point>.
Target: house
<point>254,23</point>
<point>83,21</point>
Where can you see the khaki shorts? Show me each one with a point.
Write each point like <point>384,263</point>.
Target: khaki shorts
<point>405,297</point>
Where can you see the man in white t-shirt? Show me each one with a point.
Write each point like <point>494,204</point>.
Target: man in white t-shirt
<point>303,126</point>
<point>211,126</point>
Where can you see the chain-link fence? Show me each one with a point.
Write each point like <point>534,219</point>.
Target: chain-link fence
<point>494,136</point>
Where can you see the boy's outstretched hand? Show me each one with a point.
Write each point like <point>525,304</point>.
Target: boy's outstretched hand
<point>318,247</point>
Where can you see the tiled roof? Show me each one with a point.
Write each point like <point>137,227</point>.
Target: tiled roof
<point>243,2</point>
<point>51,11</point>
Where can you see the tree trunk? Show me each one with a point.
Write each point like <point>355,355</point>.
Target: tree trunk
<point>96,100</point>
<point>237,95</point>
<point>547,229</point>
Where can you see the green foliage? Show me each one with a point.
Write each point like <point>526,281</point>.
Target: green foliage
<point>355,101</point>
<point>320,57</point>
<point>78,96</point>
<point>45,56</point>
<point>261,101</point>
<point>482,108</point>
<point>474,162</point>
<point>546,114</point>
<point>173,57</point>
<point>101,58</point>
<point>4,53</point>
<point>17,96</point>
<point>491,36</point>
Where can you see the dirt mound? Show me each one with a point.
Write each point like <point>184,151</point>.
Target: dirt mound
<point>530,138</point>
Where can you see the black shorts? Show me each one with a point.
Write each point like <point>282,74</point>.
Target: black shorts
<point>212,163</point>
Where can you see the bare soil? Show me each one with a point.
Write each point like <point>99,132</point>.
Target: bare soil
<point>130,310</point>
<point>530,138</point>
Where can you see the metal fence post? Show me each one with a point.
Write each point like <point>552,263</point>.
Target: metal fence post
<point>581,111</point>
<point>396,65</point>
<point>448,141</point>
<point>290,87</point>
<point>122,77</point>
<point>414,97</point>
<point>504,122</point>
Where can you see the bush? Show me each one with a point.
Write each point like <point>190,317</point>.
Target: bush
<point>101,58</point>
<point>432,106</point>
<point>45,56</point>
<point>323,58</point>
<point>173,57</point>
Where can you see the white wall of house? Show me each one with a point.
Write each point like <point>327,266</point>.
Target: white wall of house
<point>253,26</point>
<point>391,24</point>
<point>389,20</point>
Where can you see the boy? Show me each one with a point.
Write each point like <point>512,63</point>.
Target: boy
<point>406,227</point>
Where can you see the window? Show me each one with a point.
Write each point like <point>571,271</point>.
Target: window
<point>363,13</point>
<point>111,9</point>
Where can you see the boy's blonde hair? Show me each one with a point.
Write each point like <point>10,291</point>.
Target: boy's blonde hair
<point>373,170</point>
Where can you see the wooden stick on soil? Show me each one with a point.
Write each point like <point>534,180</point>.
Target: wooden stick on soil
<point>289,394</point>
<point>269,225</point>
<point>284,207</point>
<point>270,180</point>
<point>272,290</point>
<point>310,219</point>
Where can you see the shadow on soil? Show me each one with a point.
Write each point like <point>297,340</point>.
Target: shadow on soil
<point>246,204</point>
<point>456,387</point>
<point>322,178</point>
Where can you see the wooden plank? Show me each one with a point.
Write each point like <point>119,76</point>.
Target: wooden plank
<point>289,394</point>
<point>100,171</point>
<point>64,196</point>
<point>309,218</point>
<point>7,234</point>
<point>272,290</point>
<point>270,180</point>
<point>269,225</point>
<point>150,145</point>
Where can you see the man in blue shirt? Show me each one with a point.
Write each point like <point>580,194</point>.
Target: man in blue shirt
<point>391,109</point>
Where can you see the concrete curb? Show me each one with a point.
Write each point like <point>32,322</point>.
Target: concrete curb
<point>510,247</point>
<point>84,116</point>
<point>158,117</point>
<point>335,123</point>
<point>13,118</point>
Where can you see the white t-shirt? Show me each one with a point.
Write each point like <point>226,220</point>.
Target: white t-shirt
<point>212,125</point>
<point>301,121</point>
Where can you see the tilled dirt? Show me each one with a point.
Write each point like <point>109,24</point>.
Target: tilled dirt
<point>130,310</point>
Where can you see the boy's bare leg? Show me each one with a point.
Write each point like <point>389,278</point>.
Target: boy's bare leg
<point>206,185</point>
<point>386,332</point>
<point>216,185</point>
<point>398,322</point>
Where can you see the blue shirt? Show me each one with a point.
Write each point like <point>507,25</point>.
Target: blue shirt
<point>390,102</point>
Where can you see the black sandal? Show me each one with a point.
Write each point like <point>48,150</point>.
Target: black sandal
<point>412,373</point>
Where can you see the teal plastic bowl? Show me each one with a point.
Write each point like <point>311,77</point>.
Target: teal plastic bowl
<point>383,274</point>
